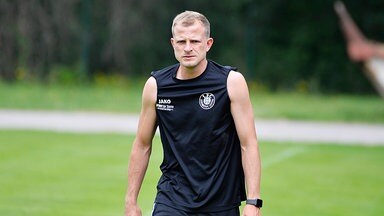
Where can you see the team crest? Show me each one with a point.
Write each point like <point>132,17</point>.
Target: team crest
<point>207,101</point>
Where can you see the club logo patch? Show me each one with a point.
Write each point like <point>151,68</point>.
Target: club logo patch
<point>207,101</point>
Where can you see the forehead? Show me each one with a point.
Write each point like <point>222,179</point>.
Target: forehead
<point>194,29</point>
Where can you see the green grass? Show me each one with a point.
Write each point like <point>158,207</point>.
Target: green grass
<point>125,97</point>
<point>62,174</point>
<point>345,108</point>
<point>323,180</point>
<point>106,98</point>
<point>46,173</point>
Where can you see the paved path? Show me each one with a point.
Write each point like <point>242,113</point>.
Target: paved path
<point>272,130</point>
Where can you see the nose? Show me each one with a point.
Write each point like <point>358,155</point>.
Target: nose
<point>188,47</point>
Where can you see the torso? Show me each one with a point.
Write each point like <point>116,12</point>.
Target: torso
<point>202,158</point>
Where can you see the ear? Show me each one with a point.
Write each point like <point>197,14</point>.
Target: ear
<point>209,43</point>
<point>172,41</point>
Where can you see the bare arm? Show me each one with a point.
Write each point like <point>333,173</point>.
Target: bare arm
<point>242,112</point>
<point>359,47</point>
<point>141,148</point>
<point>351,31</point>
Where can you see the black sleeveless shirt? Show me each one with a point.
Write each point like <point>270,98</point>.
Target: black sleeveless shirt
<point>201,169</point>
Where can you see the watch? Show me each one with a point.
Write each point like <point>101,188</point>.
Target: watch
<point>256,202</point>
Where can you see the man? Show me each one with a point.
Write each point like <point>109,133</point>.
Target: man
<point>206,125</point>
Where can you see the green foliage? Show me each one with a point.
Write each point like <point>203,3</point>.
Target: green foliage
<point>46,173</point>
<point>278,43</point>
<point>301,40</point>
<point>66,75</point>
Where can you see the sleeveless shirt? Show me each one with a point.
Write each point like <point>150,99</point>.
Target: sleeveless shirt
<point>201,168</point>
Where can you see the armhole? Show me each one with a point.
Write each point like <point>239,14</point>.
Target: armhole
<point>155,83</point>
<point>227,85</point>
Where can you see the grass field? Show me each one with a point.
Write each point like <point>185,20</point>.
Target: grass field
<point>126,98</point>
<point>46,173</point>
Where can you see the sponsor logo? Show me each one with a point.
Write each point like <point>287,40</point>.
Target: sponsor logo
<point>207,101</point>
<point>165,101</point>
<point>164,104</point>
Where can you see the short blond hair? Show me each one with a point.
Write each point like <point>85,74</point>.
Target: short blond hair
<point>188,18</point>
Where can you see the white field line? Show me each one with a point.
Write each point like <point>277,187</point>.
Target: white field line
<point>284,155</point>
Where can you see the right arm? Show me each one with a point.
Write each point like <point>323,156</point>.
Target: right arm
<point>141,148</point>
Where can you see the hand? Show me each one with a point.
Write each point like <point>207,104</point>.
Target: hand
<point>132,210</point>
<point>250,210</point>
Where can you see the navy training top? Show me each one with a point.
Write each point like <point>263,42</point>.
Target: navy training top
<point>201,169</point>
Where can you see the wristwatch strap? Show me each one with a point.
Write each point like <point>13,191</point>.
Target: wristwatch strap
<point>256,202</point>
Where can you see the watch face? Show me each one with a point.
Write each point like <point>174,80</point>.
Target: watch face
<point>259,203</point>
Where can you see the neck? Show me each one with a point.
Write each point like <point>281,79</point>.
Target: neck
<point>185,73</point>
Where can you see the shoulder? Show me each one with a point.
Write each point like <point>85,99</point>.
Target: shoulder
<point>235,78</point>
<point>236,84</point>
<point>150,83</point>
<point>150,90</point>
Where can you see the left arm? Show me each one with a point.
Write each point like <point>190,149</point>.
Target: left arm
<point>242,112</point>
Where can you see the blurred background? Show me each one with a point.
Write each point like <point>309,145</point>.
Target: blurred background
<point>320,122</point>
<point>278,45</point>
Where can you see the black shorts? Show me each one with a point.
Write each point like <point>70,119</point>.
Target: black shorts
<point>164,210</point>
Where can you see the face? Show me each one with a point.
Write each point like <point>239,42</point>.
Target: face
<point>190,44</point>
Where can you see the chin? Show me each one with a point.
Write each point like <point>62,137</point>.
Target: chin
<point>189,64</point>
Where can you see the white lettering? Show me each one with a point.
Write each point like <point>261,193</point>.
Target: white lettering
<point>164,101</point>
<point>165,107</point>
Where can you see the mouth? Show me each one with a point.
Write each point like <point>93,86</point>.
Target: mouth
<point>188,56</point>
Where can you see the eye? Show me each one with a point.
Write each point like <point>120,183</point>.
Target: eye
<point>195,41</point>
<point>180,42</point>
